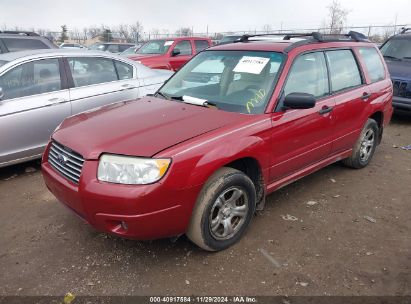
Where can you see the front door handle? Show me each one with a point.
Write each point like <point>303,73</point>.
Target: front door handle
<point>325,110</point>
<point>365,96</point>
<point>56,100</point>
<point>128,86</point>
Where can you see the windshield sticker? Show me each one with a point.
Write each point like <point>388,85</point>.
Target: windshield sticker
<point>252,102</point>
<point>168,42</point>
<point>249,64</point>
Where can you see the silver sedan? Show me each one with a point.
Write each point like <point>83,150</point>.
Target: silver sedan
<point>40,88</point>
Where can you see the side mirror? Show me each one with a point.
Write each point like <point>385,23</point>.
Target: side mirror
<point>175,52</point>
<point>1,94</point>
<point>299,101</point>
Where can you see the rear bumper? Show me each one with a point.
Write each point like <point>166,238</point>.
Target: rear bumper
<point>135,212</point>
<point>401,103</point>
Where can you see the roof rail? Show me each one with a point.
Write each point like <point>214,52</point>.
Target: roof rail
<point>405,29</point>
<point>356,36</point>
<point>20,33</point>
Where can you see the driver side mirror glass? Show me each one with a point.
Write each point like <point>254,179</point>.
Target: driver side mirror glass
<point>299,101</point>
<point>176,52</point>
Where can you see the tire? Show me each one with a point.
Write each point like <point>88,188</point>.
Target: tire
<point>218,208</point>
<point>364,148</point>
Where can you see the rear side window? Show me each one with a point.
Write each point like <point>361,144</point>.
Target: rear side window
<point>373,63</point>
<point>200,45</point>
<point>343,70</point>
<point>88,70</point>
<point>15,44</point>
<point>308,75</point>
<point>32,78</point>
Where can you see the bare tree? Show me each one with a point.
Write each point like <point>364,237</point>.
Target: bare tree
<point>388,32</point>
<point>267,28</point>
<point>136,30</point>
<point>337,17</point>
<point>93,31</point>
<point>124,32</point>
<point>184,31</point>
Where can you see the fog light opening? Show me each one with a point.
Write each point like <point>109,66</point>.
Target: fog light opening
<point>124,225</point>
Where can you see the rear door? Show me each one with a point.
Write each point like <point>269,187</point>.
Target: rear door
<point>36,101</point>
<point>302,137</point>
<point>352,96</point>
<point>186,52</point>
<point>98,81</point>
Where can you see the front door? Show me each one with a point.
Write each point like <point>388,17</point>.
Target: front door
<point>301,137</point>
<point>186,52</point>
<point>35,103</point>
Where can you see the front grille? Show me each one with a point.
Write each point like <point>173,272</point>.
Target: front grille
<point>65,161</point>
<point>402,88</point>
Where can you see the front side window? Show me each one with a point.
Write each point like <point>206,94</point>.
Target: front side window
<point>344,70</point>
<point>92,70</point>
<point>184,47</point>
<point>235,81</point>
<point>308,75</point>
<point>15,44</point>
<point>397,49</point>
<point>32,78</point>
<point>124,70</point>
<point>373,63</point>
<point>200,45</point>
<point>155,47</point>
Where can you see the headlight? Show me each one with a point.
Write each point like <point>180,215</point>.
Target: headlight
<point>131,170</point>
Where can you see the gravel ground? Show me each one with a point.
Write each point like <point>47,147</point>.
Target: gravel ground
<point>337,232</point>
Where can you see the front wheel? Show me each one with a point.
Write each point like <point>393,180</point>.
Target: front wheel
<point>365,146</point>
<point>223,210</point>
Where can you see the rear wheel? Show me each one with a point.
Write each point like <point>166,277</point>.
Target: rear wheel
<point>223,210</point>
<point>365,146</point>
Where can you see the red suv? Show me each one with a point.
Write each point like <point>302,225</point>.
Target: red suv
<point>234,124</point>
<point>170,54</point>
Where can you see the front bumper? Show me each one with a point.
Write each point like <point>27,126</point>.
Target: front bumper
<point>401,103</point>
<point>132,211</point>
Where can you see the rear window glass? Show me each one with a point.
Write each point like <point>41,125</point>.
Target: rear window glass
<point>373,63</point>
<point>15,44</point>
<point>343,70</point>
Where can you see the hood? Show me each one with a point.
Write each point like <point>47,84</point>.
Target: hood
<point>400,70</point>
<point>142,127</point>
<point>145,56</point>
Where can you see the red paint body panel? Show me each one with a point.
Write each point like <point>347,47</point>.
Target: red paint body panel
<point>167,61</point>
<point>287,145</point>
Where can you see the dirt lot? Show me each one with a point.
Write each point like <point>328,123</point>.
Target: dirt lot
<point>354,239</point>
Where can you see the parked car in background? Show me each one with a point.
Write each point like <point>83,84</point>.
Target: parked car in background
<point>170,54</point>
<point>397,53</point>
<point>38,89</point>
<point>132,50</point>
<point>111,47</point>
<point>72,46</point>
<point>237,122</point>
<point>230,39</point>
<point>14,41</point>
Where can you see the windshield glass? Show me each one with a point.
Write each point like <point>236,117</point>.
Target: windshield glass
<point>235,81</point>
<point>155,47</point>
<point>2,62</point>
<point>98,47</point>
<point>397,49</point>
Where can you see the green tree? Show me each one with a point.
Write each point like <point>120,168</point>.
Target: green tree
<point>63,34</point>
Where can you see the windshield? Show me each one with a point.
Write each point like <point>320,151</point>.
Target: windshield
<point>235,81</point>
<point>155,47</point>
<point>98,47</point>
<point>2,62</point>
<point>397,49</point>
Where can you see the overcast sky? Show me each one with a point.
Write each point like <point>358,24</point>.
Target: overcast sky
<point>219,15</point>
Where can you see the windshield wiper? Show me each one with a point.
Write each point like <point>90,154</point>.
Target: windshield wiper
<point>194,101</point>
<point>392,57</point>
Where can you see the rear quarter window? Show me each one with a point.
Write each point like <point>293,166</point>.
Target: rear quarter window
<point>15,44</point>
<point>373,63</point>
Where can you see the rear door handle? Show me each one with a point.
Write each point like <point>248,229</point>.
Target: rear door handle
<point>325,110</point>
<point>365,96</point>
<point>128,86</point>
<point>56,100</point>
